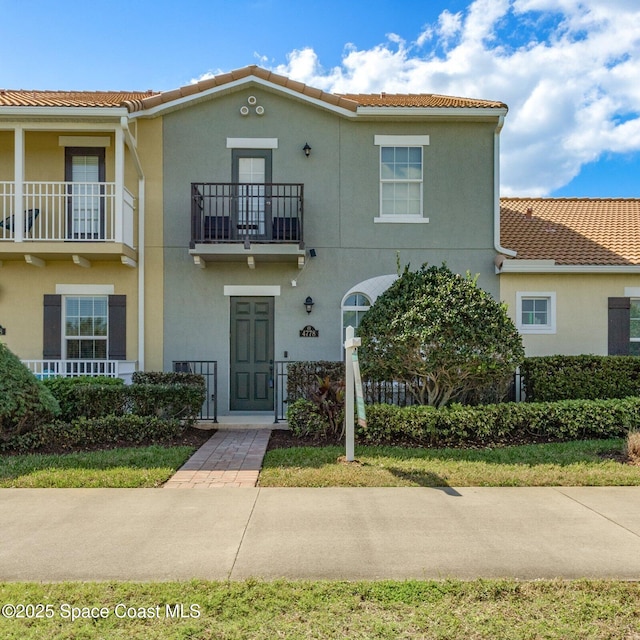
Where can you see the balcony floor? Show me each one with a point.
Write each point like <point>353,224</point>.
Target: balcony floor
<point>56,251</point>
<point>280,252</point>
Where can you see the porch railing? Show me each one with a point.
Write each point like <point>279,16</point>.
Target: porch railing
<point>72,368</point>
<point>67,211</point>
<point>237,212</point>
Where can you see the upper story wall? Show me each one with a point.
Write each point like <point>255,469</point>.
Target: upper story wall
<point>342,175</point>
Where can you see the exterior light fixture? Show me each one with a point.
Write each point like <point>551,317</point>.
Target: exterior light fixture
<point>3,331</point>
<point>306,149</point>
<point>247,244</point>
<point>308,304</point>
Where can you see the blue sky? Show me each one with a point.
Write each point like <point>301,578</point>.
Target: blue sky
<point>568,69</point>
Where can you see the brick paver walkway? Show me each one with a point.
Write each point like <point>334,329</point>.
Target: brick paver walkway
<point>230,458</point>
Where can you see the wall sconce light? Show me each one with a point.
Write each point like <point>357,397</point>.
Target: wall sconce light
<point>306,149</point>
<point>308,304</point>
<point>247,244</point>
<point>3,331</point>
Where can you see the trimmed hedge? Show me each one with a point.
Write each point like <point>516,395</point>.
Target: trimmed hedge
<point>65,391</point>
<point>95,432</point>
<point>496,424</point>
<point>179,397</point>
<point>167,377</point>
<point>586,377</point>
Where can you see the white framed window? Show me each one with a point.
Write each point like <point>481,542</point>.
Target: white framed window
<point>536,311</point>
<point>354,306</point>
<point>85,327</point>
<point>401,178</point>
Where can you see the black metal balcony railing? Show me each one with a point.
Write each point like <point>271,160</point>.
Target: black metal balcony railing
<point>237,212</point>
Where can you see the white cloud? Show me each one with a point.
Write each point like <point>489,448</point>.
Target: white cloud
<point>568,69</point>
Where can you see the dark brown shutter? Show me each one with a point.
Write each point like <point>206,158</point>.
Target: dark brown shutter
<point>52,336</point>
<point>619,326</point>
<point>117,327</point>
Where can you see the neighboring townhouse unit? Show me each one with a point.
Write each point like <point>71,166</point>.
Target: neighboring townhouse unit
<point>246,219</point>
<point>574,286</point>
<point>69,234</point>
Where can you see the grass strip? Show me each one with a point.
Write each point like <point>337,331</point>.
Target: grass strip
<point>134,467</point>
<point>450,609</point>
<point>581,463</point>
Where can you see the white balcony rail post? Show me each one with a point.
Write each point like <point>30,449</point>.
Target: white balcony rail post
<point>119,191</point>
<point>18,212</point>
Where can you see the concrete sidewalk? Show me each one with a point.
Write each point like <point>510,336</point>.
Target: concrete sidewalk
<point>354,533</point>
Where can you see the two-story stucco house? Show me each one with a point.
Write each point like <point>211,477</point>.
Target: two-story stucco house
<point>246,219</point>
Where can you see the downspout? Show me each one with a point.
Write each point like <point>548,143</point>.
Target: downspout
<point>124,123</point>
<point>496,191</point>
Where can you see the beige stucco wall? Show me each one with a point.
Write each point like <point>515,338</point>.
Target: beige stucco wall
<point>149,137</point>
<point>582,309</point>
<point>22,288</point>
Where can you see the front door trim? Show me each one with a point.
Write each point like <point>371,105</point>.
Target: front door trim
<point>251,290</point>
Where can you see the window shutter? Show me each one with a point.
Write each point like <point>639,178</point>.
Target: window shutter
<point>619,326</point>
<point>52,336</point>
<point>117,327</point>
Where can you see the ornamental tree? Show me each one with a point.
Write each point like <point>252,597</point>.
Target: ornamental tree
<point>440,334</point>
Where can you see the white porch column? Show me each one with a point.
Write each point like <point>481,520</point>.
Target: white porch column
<point>18,202</point>
<point>119,194</point>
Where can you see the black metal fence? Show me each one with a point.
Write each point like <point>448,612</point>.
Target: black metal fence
<point>374,392</point>
<point>209,370</point>
<point>395,392</point>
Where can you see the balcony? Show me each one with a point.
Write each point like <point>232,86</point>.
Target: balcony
<point>252,222</point>
<point>44,369</point>
<point>58,220</point>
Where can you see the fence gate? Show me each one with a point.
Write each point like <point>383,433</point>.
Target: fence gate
<point>209,370</point>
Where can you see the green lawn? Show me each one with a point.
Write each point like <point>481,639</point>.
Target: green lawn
<point>114,468</point>
<point>478,610</point>
<point>558,464</point>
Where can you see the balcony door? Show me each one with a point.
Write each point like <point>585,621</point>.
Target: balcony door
<point>251,172</point>
<point>85,175</point>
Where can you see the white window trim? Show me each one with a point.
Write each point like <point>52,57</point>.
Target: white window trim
<point>550,327</point>
<point>251,290</point>
<point>401,141</point>
<point>83,291</point>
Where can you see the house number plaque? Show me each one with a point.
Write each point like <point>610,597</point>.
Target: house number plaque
<point>309,332</point>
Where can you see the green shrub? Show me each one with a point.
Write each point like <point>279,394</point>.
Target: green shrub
<point>95,432</point>
<point>72,401</point>
<point>305,421</point>
<point>302,377</point>
<point>550,378</point>
<point>504,423</point>
<point>24,401</point>
<point>167,377</point>
<point>93,398</point>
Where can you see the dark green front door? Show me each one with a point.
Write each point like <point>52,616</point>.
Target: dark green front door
<point>251,354</point>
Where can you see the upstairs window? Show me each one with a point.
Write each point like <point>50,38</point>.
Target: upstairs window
<point>401,178</point>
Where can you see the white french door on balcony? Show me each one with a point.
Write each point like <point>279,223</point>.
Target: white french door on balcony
<point>85,170</point>
<point>252,171</point>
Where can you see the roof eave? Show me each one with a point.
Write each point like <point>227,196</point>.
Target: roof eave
<point>434,112</point>
<point>342,106</point>
<point>550,266</point>
<point>63,112</point>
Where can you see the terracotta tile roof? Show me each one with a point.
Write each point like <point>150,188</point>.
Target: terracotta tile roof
<point>572,231</point>
<point>350,102</point>
<point>141,100</point>
<point>22,98</point>
<point>419,100</point>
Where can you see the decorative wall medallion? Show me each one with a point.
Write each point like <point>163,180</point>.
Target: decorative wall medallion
<point>252,101</point>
